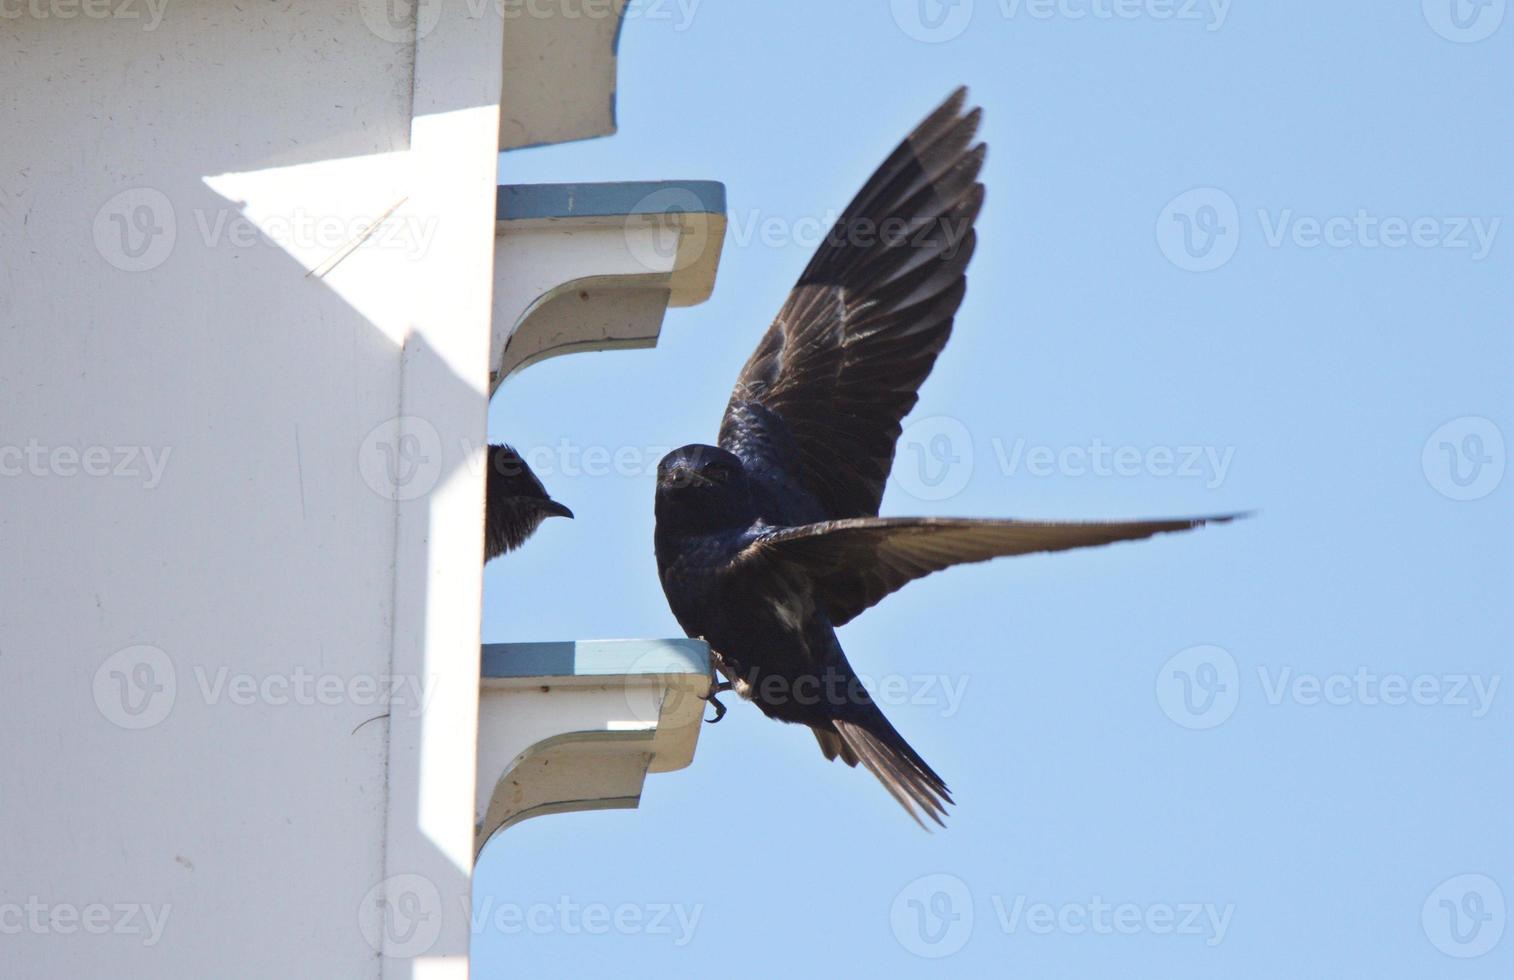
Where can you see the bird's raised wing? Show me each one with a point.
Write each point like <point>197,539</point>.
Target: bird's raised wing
<point>854,563</point>
<point>840,366</point>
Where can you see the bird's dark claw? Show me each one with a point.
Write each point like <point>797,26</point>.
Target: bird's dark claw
<point>720,709</point>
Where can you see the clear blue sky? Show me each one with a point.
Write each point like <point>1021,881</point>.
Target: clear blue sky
<point>1325,830</point>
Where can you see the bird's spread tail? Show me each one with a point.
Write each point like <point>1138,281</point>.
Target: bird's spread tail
<point>874,743</point>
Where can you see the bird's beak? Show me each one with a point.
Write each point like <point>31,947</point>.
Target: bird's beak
<point>555,509</point>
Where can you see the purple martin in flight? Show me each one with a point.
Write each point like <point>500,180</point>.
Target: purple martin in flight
<point>515,503</point>
<point>768,543</point>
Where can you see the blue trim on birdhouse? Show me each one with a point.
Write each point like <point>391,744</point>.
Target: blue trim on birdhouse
<point>522,202</point>
<point>595,658</point>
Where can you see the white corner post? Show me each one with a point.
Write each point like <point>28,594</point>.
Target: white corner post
<point>438,562</point>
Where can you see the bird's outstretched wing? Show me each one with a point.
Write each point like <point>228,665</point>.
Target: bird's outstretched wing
<point>854,563</point>
<point>823,394</point>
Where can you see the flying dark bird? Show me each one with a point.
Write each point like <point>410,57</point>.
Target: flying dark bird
<point>768,543</point>
<point>515,503</point>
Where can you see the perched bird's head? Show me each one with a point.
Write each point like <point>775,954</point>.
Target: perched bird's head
<point>702,488</point>
<point>515,503</point>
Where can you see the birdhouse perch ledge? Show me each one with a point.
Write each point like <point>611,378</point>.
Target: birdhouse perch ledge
<point>577,725</point>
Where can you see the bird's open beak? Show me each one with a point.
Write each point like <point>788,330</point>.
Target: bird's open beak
<point>555,509</point>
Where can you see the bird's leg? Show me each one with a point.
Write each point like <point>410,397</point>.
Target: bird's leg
<point>717,686</point>
<point>720,709</point>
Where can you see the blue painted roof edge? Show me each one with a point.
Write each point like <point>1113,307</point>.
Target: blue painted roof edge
<point>518,202</point>
<point>595,658</point>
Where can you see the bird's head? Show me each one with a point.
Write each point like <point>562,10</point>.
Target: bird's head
<point>517,503</point>
<point>702,488</point>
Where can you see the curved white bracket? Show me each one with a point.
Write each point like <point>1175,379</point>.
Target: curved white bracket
<point>578,725</point>
<point>595,266</point>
